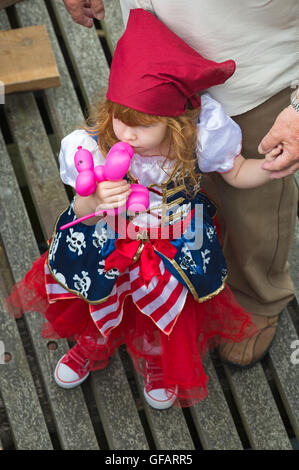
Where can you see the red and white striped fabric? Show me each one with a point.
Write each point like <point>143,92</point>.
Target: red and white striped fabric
<point>162,299</point>
<point>54,290</point>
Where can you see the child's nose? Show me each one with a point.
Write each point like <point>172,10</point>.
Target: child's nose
<point>129,133</point>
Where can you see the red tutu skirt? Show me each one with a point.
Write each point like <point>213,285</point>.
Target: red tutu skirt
<point>199,327</point>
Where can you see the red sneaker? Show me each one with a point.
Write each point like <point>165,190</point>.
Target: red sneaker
<point>155,394</point>
<point>72,369</point>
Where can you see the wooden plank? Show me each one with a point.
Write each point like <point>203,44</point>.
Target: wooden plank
<point>212,416</point>
<point>168,428</point>
<point>285,367</point>
<point>112,24</point>
<point>17,387</point>
<point>38,161</point>
<point>18,392</point>
<point>117,408</point>
<point>85,52</point>
<point>62,103</point>
<point>257,408</point>
<point>70,413</point>
<point>27,60</point>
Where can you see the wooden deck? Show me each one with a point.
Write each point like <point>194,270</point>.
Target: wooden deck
<point>253,409</point>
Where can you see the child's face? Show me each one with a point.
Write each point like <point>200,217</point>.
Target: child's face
<point>146,140</point>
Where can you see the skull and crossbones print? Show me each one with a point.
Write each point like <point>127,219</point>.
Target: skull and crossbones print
<point>111,274</point>
<point>76,241</point>
<point>83,283</point>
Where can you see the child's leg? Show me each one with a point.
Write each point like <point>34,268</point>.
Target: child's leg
<point>155,394</point>
<point>72,369</point>
<point>91,352</point>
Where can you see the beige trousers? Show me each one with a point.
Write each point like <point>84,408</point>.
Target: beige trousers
<point>257,225</point>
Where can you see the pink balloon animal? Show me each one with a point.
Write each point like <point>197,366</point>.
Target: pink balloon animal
<point>116,166</point>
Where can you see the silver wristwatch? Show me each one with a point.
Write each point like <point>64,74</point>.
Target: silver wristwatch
<point>295,101</point>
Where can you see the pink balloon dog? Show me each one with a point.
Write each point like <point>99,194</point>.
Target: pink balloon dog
<point>116,166</point>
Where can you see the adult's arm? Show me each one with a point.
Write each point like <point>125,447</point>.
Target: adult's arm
<point>285,131</point>
<point>83,11</point>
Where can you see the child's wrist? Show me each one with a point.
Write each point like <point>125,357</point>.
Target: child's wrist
<point>84,205</point>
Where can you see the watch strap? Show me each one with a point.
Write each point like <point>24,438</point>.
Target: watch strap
<point>295,101</point>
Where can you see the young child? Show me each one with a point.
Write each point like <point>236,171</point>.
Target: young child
<point>164,296</point>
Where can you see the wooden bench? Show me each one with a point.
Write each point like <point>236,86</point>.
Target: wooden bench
<point>256,408</point>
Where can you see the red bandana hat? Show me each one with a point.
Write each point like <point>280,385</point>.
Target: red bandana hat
<point>156,72</point>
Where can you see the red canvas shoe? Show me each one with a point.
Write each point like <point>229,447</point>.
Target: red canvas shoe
<point>155,394</point>
<point>72,369</point>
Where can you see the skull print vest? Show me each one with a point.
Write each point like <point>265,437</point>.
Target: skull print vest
<point>77,255</point>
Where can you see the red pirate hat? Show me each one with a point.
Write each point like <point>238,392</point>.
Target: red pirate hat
<point>156,72</point>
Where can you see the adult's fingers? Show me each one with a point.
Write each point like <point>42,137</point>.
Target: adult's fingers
<point>289,171</point>
<point>77,9</point>
<point>88,12</point>
<point>98,9</point>
<point>285,130</point>
<point>282,162</point>
<point>273,154</point>
<point>271,139</point>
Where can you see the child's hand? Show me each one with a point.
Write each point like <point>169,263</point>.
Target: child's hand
<point>270,156</point>
<point>111,194</point>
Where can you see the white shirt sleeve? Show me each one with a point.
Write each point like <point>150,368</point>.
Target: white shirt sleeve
<point>219,138</point>
<point>69,144</point>
<point>127,5</point>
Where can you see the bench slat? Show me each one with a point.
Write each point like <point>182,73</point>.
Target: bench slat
<point>64,108</point>
<point>37,159</point>
<point>112,24</point>
<point>168,427</point>
<point>286,371</point>
<point>117,408</point>
<point>257,408</point>
<point>212,416</point>
<point>17,387</point>
<point>86,54</point>
<point>18,392</point>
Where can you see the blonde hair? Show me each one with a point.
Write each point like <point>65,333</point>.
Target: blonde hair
<point>181,131</point>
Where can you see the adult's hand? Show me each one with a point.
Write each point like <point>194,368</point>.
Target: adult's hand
<point>83,11</point>
<point>285,131</point>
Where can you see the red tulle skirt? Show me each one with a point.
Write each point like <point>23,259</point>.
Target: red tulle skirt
<point>199,327</point>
